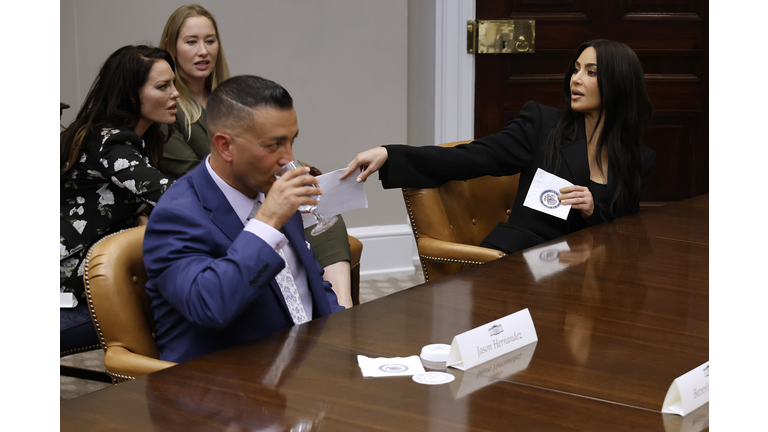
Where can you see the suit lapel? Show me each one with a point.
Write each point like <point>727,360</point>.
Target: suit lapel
<point>575,158</point>
<point>213,200</point>
<point>295,236</point>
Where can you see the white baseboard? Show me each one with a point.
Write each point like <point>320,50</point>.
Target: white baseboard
<point>388,251</point>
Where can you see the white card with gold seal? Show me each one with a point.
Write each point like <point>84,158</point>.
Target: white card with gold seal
<point>688,392</point>
<point>543,192</point>
<point>390,366</point>
<point>492,340</point>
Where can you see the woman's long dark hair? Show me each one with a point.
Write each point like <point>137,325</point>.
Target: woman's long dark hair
<point>627,109</point>
<point>113,102</point>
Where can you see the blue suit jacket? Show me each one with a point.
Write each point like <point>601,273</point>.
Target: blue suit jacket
<point>212,284</point>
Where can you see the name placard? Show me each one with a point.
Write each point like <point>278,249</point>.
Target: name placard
<point>492,340</point>
<point>688,392</point>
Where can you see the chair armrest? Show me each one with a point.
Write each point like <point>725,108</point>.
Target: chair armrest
<point>443,251</point>
<point>120,361</point>
<point>355,249</point>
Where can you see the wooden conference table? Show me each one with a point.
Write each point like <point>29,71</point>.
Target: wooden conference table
<point>620,313</point>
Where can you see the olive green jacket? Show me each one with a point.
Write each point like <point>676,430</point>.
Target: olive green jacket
<point>181,155</point>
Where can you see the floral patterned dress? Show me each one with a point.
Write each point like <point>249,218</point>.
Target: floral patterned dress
<point>112,182</point>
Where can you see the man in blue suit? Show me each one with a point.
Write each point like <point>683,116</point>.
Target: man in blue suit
<point>224,248</point>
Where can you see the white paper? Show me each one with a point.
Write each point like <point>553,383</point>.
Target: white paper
<point>688,392</point>
<point>67,300</point>
<point>543,261</point>
<point>492,340</point>
<point>542,195</point>
<point>390,366</point>
<point>340,195</point>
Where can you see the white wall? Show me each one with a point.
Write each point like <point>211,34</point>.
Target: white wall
<point>421,72</point>
<point>345,62</point>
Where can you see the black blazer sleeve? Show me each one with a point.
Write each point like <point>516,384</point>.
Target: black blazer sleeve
<point>507,152</point>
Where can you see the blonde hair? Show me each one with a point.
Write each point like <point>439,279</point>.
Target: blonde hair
<point>187,101</point>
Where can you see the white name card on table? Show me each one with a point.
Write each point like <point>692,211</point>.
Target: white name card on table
<point>492,340</point>
<point>543,193</point>
<point>688,392</point>
<point>67,300</point>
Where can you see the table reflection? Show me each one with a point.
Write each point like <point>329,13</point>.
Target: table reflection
<point>239,398</point>
<point>498,369</point>
<point>592,289</point>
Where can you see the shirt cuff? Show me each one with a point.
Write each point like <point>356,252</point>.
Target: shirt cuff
<point>266,232</point>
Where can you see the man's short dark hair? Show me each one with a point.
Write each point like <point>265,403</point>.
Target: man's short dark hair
<point>231,104</point>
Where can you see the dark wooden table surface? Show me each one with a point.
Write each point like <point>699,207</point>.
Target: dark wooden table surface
<point>620,313</point>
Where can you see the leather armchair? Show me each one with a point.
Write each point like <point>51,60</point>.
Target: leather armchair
<point>114,277</point>
<point>449,221</point>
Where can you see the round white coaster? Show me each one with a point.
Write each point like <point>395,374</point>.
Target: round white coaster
<point>433,378</point>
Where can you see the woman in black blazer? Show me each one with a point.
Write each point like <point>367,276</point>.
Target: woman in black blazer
<point>595,143</point>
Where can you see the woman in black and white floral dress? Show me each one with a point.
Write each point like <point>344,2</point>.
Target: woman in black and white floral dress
<point>109,154</point>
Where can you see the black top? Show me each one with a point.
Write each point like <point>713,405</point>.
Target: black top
<point>111,182</point>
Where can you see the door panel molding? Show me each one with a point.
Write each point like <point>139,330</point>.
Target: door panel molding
<point>454,72</point>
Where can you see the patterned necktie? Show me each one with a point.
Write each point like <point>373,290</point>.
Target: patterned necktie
<point>286,283</point>
<point>255,209</point>
<point>290,293</point>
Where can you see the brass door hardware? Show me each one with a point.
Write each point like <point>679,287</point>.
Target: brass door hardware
<point>501,36</point>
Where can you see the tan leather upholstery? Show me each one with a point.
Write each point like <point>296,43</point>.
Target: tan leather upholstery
<point>451,220</point>
<point>114,278</point>
<point>356,248</point>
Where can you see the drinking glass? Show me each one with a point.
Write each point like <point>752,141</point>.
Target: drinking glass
<point>322,223</point>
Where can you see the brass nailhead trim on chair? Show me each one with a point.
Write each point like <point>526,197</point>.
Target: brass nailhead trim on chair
<point>117,378</point>
<point>425,258</point>
<point>76,350</point>
<point>415,233</point>
<point>451,260</point>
